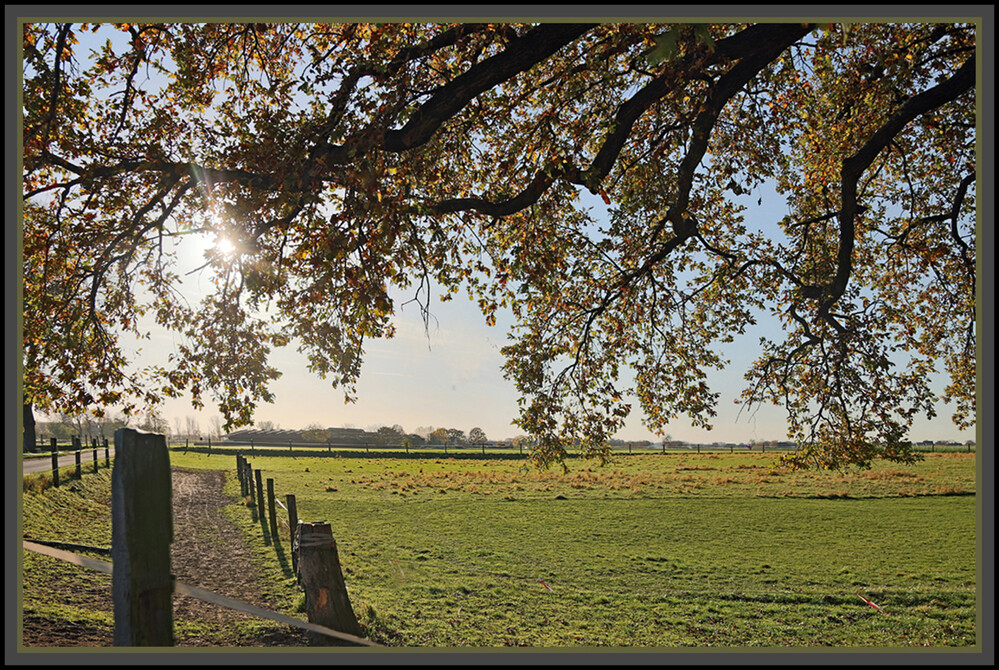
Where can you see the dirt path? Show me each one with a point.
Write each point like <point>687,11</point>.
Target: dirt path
<point>209,552</point>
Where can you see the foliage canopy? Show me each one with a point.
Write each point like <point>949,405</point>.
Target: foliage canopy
<point>340,161</point>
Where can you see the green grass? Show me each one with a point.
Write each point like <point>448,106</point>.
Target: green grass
<point>650,551</point>
<point>710,550</point>
<point>79,512</point>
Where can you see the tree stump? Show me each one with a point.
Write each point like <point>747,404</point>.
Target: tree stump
<point>319,573</point>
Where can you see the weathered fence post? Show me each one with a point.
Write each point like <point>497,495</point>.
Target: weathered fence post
<point>79,462</point>
<point>260,494</point>
<point>93,443</point>
<point>293,528</point>
<point>251,446</point>
<point>55,461</point>
<point>107,454</point>
<point>239,475</point>
<point>248,478</point>
<point>141,533</point>
<point>326,599</point>
<point>271,511</point>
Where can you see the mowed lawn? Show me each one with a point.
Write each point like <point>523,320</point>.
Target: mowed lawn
<point>710,550</point>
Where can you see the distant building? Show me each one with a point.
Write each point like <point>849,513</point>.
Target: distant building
<point>337,436</point>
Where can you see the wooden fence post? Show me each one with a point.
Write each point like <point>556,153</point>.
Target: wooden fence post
<point>326,600</point>
<point>239,475</point>
<point>79,462</point>
<point>55,461</point>
<point>293,528</point>
<point>93,443</point>
<point>107,454</point>
<point>248,478</point>
<point>260,494</point>
<point>141,533</point>
<point>271,511</point>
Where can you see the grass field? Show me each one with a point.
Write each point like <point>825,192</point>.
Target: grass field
<point>651,550</point>
<point>709,550</point>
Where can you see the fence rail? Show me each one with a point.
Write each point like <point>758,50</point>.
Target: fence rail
<point>141,534</point>
<point>77,449</point>
<point>194,592</point>
<point>315,560</point>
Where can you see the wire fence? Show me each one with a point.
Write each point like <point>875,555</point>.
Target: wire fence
<point>134,493</point>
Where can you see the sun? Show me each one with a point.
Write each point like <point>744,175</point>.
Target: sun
<point>225,247</point>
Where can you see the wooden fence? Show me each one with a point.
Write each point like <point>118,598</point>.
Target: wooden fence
<point>77,449</point>
<point>315,559</point>
<point>141,534</point>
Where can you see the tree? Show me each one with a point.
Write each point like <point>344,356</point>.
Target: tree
<point>390,435</point>
<point>424,431</point>
<point>438,436</point>
<point>153,421</point>
<point>192,427</point>
<point>215,426</point>
<point>315,433</point>
<point>669,443</point>
<point>477,436</point>
<point>335,162</point>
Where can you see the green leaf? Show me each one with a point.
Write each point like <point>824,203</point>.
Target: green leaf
<point>666,47</point>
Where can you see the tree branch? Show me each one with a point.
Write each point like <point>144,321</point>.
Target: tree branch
<point>854,166</point>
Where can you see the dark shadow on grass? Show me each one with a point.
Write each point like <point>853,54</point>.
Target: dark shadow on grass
<point>283,558</point>
<point>262,518</point>
<point>837,496</point>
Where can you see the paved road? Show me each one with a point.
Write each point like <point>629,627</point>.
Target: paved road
<point>30,466</point>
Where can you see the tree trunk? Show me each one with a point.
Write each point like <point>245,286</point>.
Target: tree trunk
<point>29,427</point>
